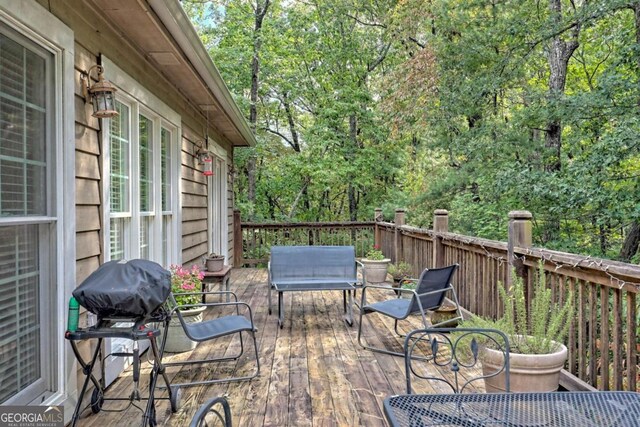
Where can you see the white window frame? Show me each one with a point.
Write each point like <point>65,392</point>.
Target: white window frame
<point>142,102</point>
<point>41,27</point>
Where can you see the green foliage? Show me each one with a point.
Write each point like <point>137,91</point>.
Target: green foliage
<point>438,105</point>
<point>536,330</point>
<point>400,270</point>
<point>374,254</point>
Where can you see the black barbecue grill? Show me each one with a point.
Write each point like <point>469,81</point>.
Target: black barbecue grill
<point>125,292</point>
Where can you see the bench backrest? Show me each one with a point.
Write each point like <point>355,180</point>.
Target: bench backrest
<point>310,262</point>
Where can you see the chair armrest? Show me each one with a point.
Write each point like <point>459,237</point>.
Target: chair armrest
<point>364,275</point>
<point>211,293</point>
<point>378,287</point>
<point>363,301</point>
<point>236,304</point>
<point>439,291</point>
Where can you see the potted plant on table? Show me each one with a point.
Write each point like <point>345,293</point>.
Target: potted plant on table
<point>214,262</point>
<point>183,281</point>
<point>537,354</point>
<point>375,265</point>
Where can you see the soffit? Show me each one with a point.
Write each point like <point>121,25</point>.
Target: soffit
<point>135,20</point>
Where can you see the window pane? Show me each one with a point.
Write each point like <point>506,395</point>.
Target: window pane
<point>145,223</point>
<point>146,164</point>
<point>119,149</point>
<point>116,238</point>
<point>166,230</point>
<point>166,169</point>
<point>23,139</point>
<point>19,309</point>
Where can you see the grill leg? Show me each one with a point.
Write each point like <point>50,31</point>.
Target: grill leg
<point>87,370</point>
<point>158,368</point>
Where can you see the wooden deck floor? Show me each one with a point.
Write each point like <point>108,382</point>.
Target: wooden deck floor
<point>313,372</point>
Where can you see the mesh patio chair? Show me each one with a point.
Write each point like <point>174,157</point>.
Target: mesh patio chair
<point>216,328</point>
<point>209,414</point>
<point>432,287</point>
<point>451,357</point>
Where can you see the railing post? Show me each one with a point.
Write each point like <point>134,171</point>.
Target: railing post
<point>520,235</point>
<point>377,217</point>
<point>440,225</point>
<point>237,239</point>
<point>399,222</point>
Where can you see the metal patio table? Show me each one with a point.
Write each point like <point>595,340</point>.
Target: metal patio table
<point>565,409</point>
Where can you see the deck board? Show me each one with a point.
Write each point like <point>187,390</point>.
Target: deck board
<point>313,371</point>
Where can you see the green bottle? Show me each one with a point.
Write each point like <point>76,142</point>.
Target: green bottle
<point>74,314</point>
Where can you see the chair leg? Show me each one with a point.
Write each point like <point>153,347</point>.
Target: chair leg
<point>269,296</point>
<point>349,309</point>
<point>280,310</point>
<point>368,347</point>
<point>220,359</point>
<point>384,350</point>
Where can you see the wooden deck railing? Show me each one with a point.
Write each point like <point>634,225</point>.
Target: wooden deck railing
<point>253,241</point>
<point>604,341</point>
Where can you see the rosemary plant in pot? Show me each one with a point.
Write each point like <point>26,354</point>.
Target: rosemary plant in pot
<point>537,353</point>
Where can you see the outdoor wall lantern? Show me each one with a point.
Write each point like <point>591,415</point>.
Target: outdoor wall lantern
<point>101,93</point>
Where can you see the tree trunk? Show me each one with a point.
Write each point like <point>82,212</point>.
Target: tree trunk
<point>353,203</point>
<point>631,243</point>
<point>260,12</point>
<point>560,51</point>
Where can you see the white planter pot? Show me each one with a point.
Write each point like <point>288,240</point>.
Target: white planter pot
<point>177,340</point>
<point>528,372</point>
<point>375,270</point>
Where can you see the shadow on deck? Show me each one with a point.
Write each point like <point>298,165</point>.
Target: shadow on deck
<point>313,372</point>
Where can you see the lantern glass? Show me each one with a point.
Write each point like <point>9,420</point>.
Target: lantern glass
<point>103,104</point>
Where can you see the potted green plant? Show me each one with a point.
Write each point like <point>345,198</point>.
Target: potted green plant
<point>214,262</point>
<point>399,272</point>
<point>537,354</point>
<point>183,281</point>
<point>375,265</point>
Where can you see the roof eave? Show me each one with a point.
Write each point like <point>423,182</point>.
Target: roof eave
<point>179,25</point>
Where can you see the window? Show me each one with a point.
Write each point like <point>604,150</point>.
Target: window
<point>218,217</point>
<point>141,214</point>
<point>27,216</point>
<point>166,193</point>
<point>120,181</point>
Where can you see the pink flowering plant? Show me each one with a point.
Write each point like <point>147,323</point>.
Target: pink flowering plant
<point>375,254</point>
<point>185,280</point>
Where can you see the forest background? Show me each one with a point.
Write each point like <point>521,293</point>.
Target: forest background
<point>479,107</point>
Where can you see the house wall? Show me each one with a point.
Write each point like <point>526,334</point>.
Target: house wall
<point>93,37</point>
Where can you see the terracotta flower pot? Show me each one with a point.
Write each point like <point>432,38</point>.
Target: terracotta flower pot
<point>375,270</point>
<point>528,372</point>
<point>444,313</point>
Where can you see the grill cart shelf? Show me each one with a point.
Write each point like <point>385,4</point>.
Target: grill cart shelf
<point>107,328</point>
